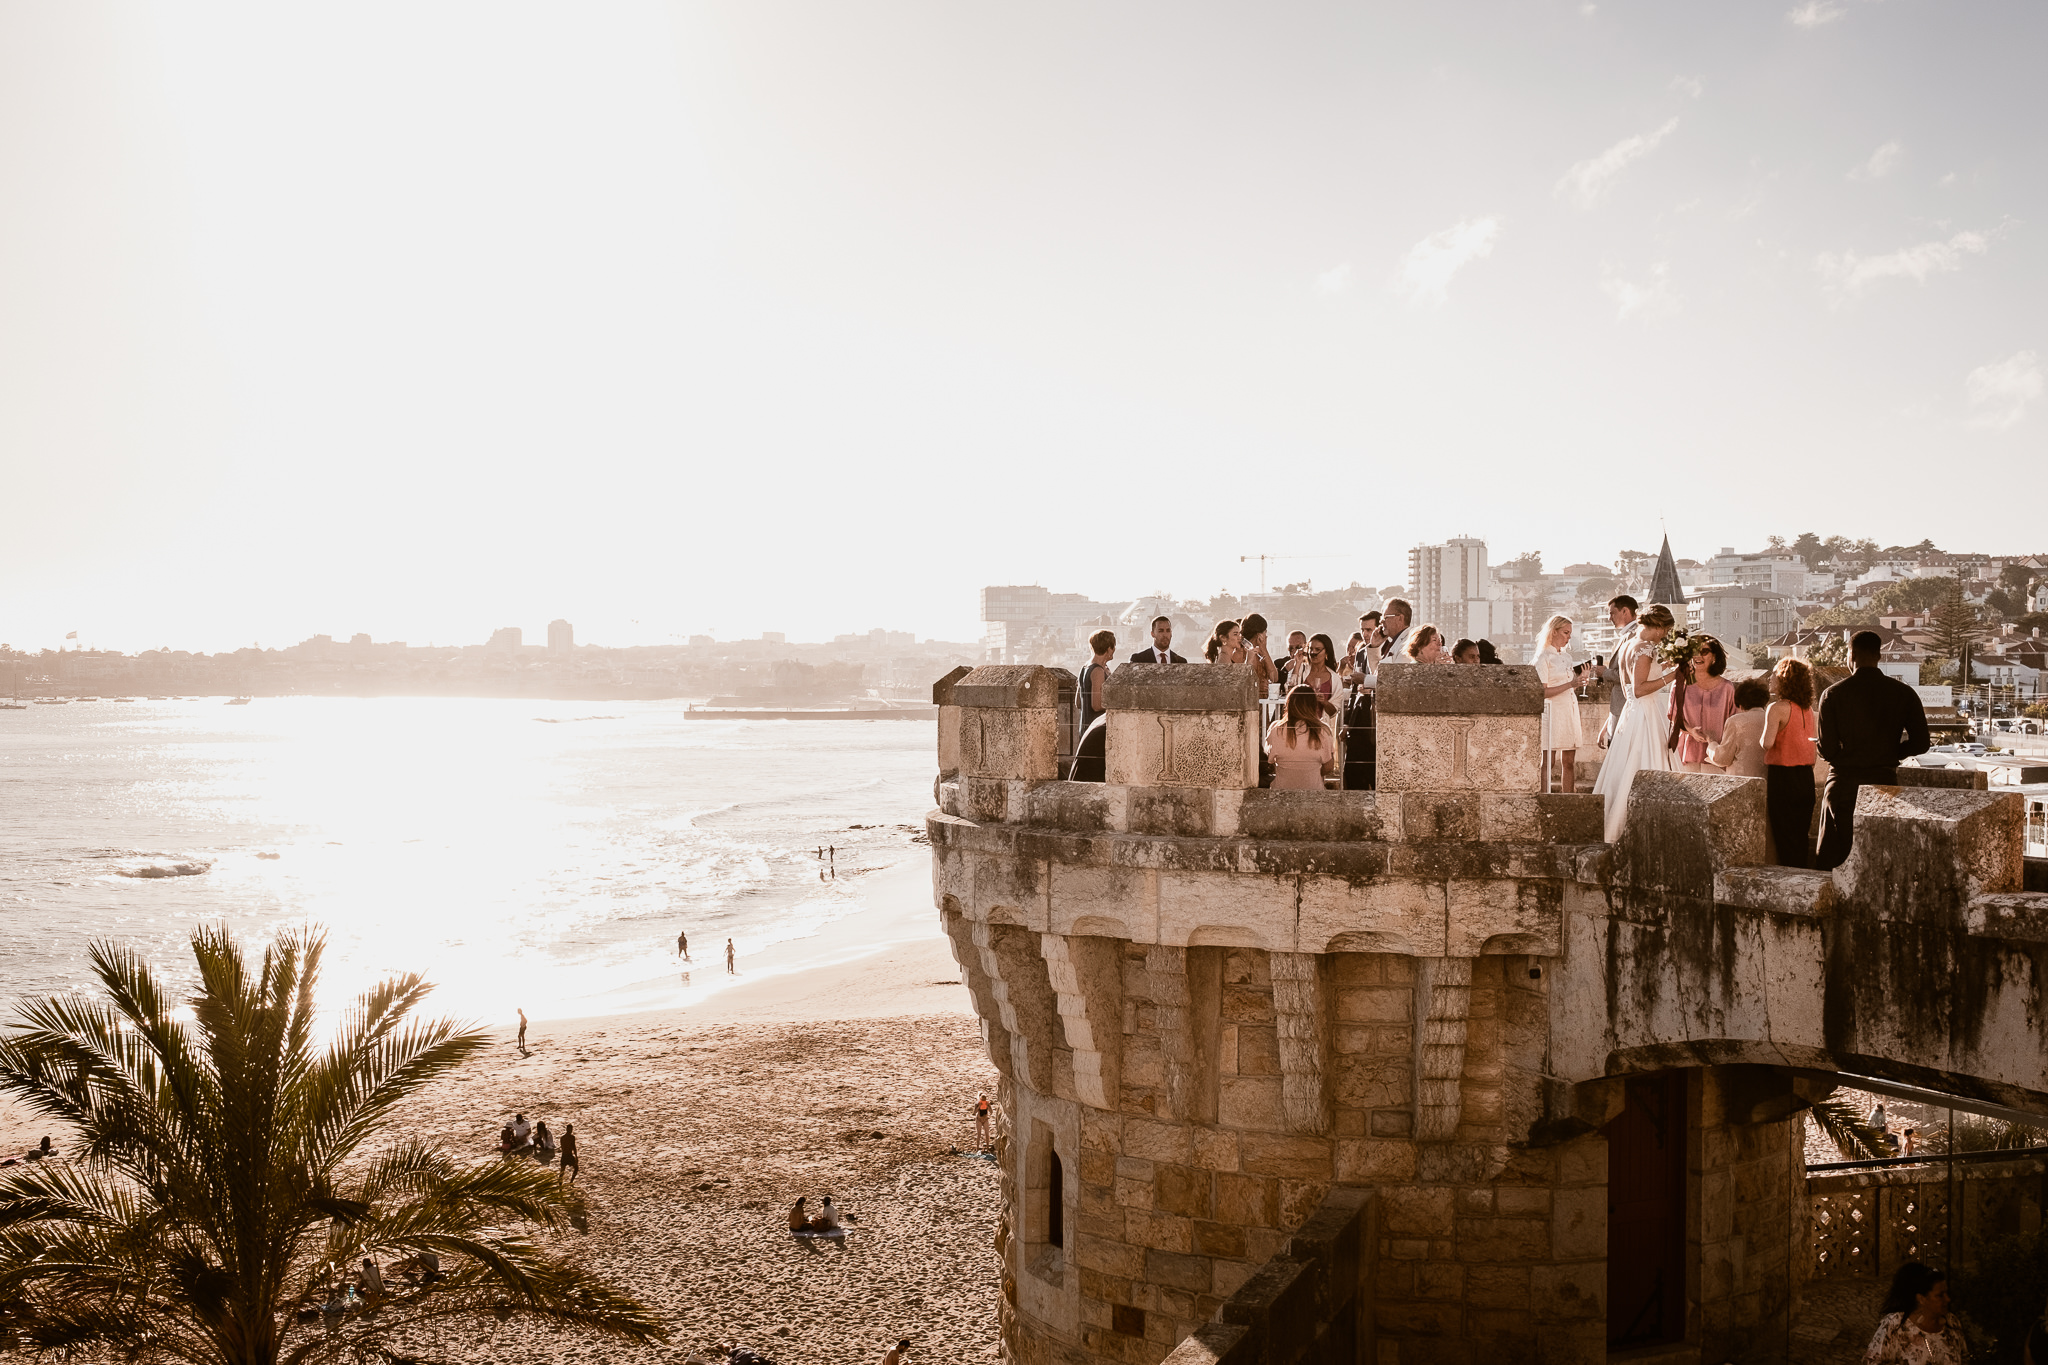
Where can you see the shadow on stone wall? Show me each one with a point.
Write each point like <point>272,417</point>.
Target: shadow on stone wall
<point>1310,1305</point>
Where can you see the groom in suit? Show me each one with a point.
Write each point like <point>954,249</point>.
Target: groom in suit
<point>1621,613</point>
<point>1162,641</point>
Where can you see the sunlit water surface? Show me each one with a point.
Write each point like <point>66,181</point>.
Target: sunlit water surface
<point>532,854</point>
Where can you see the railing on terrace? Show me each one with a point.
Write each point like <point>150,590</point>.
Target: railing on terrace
<point>1871,1217</point>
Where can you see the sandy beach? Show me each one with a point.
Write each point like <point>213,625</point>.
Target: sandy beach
<point>699,1127</point>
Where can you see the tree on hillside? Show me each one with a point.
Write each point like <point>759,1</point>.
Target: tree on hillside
<point>1955,624</point>
<point>1916,596</point>
<point>1809,548</point>
<point>2015,588</point>
<point>222,1179</point>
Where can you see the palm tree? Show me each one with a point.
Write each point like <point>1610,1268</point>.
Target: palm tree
<point>222,1182</point>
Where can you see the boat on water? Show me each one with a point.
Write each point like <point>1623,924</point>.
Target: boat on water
<point>53,701</point>
<point>237,701</point>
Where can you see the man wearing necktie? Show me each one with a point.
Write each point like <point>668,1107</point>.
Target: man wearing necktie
<point>1162,645</point>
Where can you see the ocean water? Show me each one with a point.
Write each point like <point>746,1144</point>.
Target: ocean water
<point>530,854</point>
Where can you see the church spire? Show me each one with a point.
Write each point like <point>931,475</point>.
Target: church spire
<point>1664,585</point>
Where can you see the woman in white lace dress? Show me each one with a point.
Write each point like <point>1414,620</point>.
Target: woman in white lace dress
<point>1641,737</point>
<point>1560,678</point>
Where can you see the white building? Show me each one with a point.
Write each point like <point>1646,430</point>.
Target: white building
<point>1742,616</point>
<point>561,637</point>
<point>1453,589</point>
<point>1024,620</point>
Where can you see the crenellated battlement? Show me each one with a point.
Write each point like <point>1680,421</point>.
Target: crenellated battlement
<point>1212,1004</point>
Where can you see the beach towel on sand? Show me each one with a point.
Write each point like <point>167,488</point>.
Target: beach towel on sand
<point>818,1232</point>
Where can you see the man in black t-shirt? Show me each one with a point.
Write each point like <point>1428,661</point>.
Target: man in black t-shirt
<point>1868,722</point>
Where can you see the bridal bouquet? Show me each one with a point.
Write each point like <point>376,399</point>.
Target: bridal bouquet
<point>1680,647</point>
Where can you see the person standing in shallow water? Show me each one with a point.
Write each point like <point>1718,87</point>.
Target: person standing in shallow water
<point>730,970</point>
<point>1914,1327</point>
<point>683,945</point>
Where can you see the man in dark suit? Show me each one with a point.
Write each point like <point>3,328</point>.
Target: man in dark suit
<point>1868,722</point>
<point>1162,641</point>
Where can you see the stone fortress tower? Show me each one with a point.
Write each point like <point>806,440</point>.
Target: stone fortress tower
<point>1432,1073</point>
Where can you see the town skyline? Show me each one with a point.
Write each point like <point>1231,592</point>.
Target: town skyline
<point>678,305</point>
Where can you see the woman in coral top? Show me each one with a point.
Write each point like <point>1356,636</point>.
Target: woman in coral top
<point>1790,730</point>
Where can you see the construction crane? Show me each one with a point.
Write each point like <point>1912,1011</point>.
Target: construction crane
<point>1263,560</point>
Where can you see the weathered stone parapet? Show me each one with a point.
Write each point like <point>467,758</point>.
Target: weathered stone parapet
<point>1921,855</point>
<point>1182,727</point>
<point>1450,727</point>
<point>949,722</point>
<point>1009,722</point>
<point>2019,917</point>
<point>1455,899</point>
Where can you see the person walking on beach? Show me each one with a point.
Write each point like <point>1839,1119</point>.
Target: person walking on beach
<point>981,1108</point>
<point>570,1167</point>
<point>522,1030</point>
<point>683,946</point>
<point>730,970</point>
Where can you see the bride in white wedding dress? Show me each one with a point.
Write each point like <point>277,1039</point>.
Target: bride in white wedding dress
<point>1641,738</point>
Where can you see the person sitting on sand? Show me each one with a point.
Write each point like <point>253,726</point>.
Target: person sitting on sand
<point>827,1219</point>
<point>797,1221</point>
<point>543,1142</point>
<point>505,1142</point>
<point>38,1153</point>
<point>899,1354</point>
<point>522,1131</point>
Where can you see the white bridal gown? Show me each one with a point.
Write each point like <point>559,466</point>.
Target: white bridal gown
<point>1640,740</point>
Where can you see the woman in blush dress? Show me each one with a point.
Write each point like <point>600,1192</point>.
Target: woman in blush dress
<point>1300,745</point>
<point>1741,750</point>
<point>1562,734</point>
<point>1641,737</point>
<point>1703,705</point>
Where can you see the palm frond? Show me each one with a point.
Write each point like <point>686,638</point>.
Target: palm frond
<point>216,1187</point>
<point>1841,1124</point>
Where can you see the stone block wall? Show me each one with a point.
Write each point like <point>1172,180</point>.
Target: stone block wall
<point>1215,1009</point>
<point>1748,1194</point>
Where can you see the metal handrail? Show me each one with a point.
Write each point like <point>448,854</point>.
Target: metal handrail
<point>1932,1159</point>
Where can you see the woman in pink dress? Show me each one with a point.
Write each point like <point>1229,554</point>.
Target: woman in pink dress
<point>1300,745</point>
<point>1702,707</point>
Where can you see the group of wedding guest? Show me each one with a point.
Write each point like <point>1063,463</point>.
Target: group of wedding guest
<point>1756,728</point>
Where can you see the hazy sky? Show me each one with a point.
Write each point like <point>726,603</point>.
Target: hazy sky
<point>423,319</point>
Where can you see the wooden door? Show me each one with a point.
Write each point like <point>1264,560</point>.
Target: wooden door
<point>1646,1214</point>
